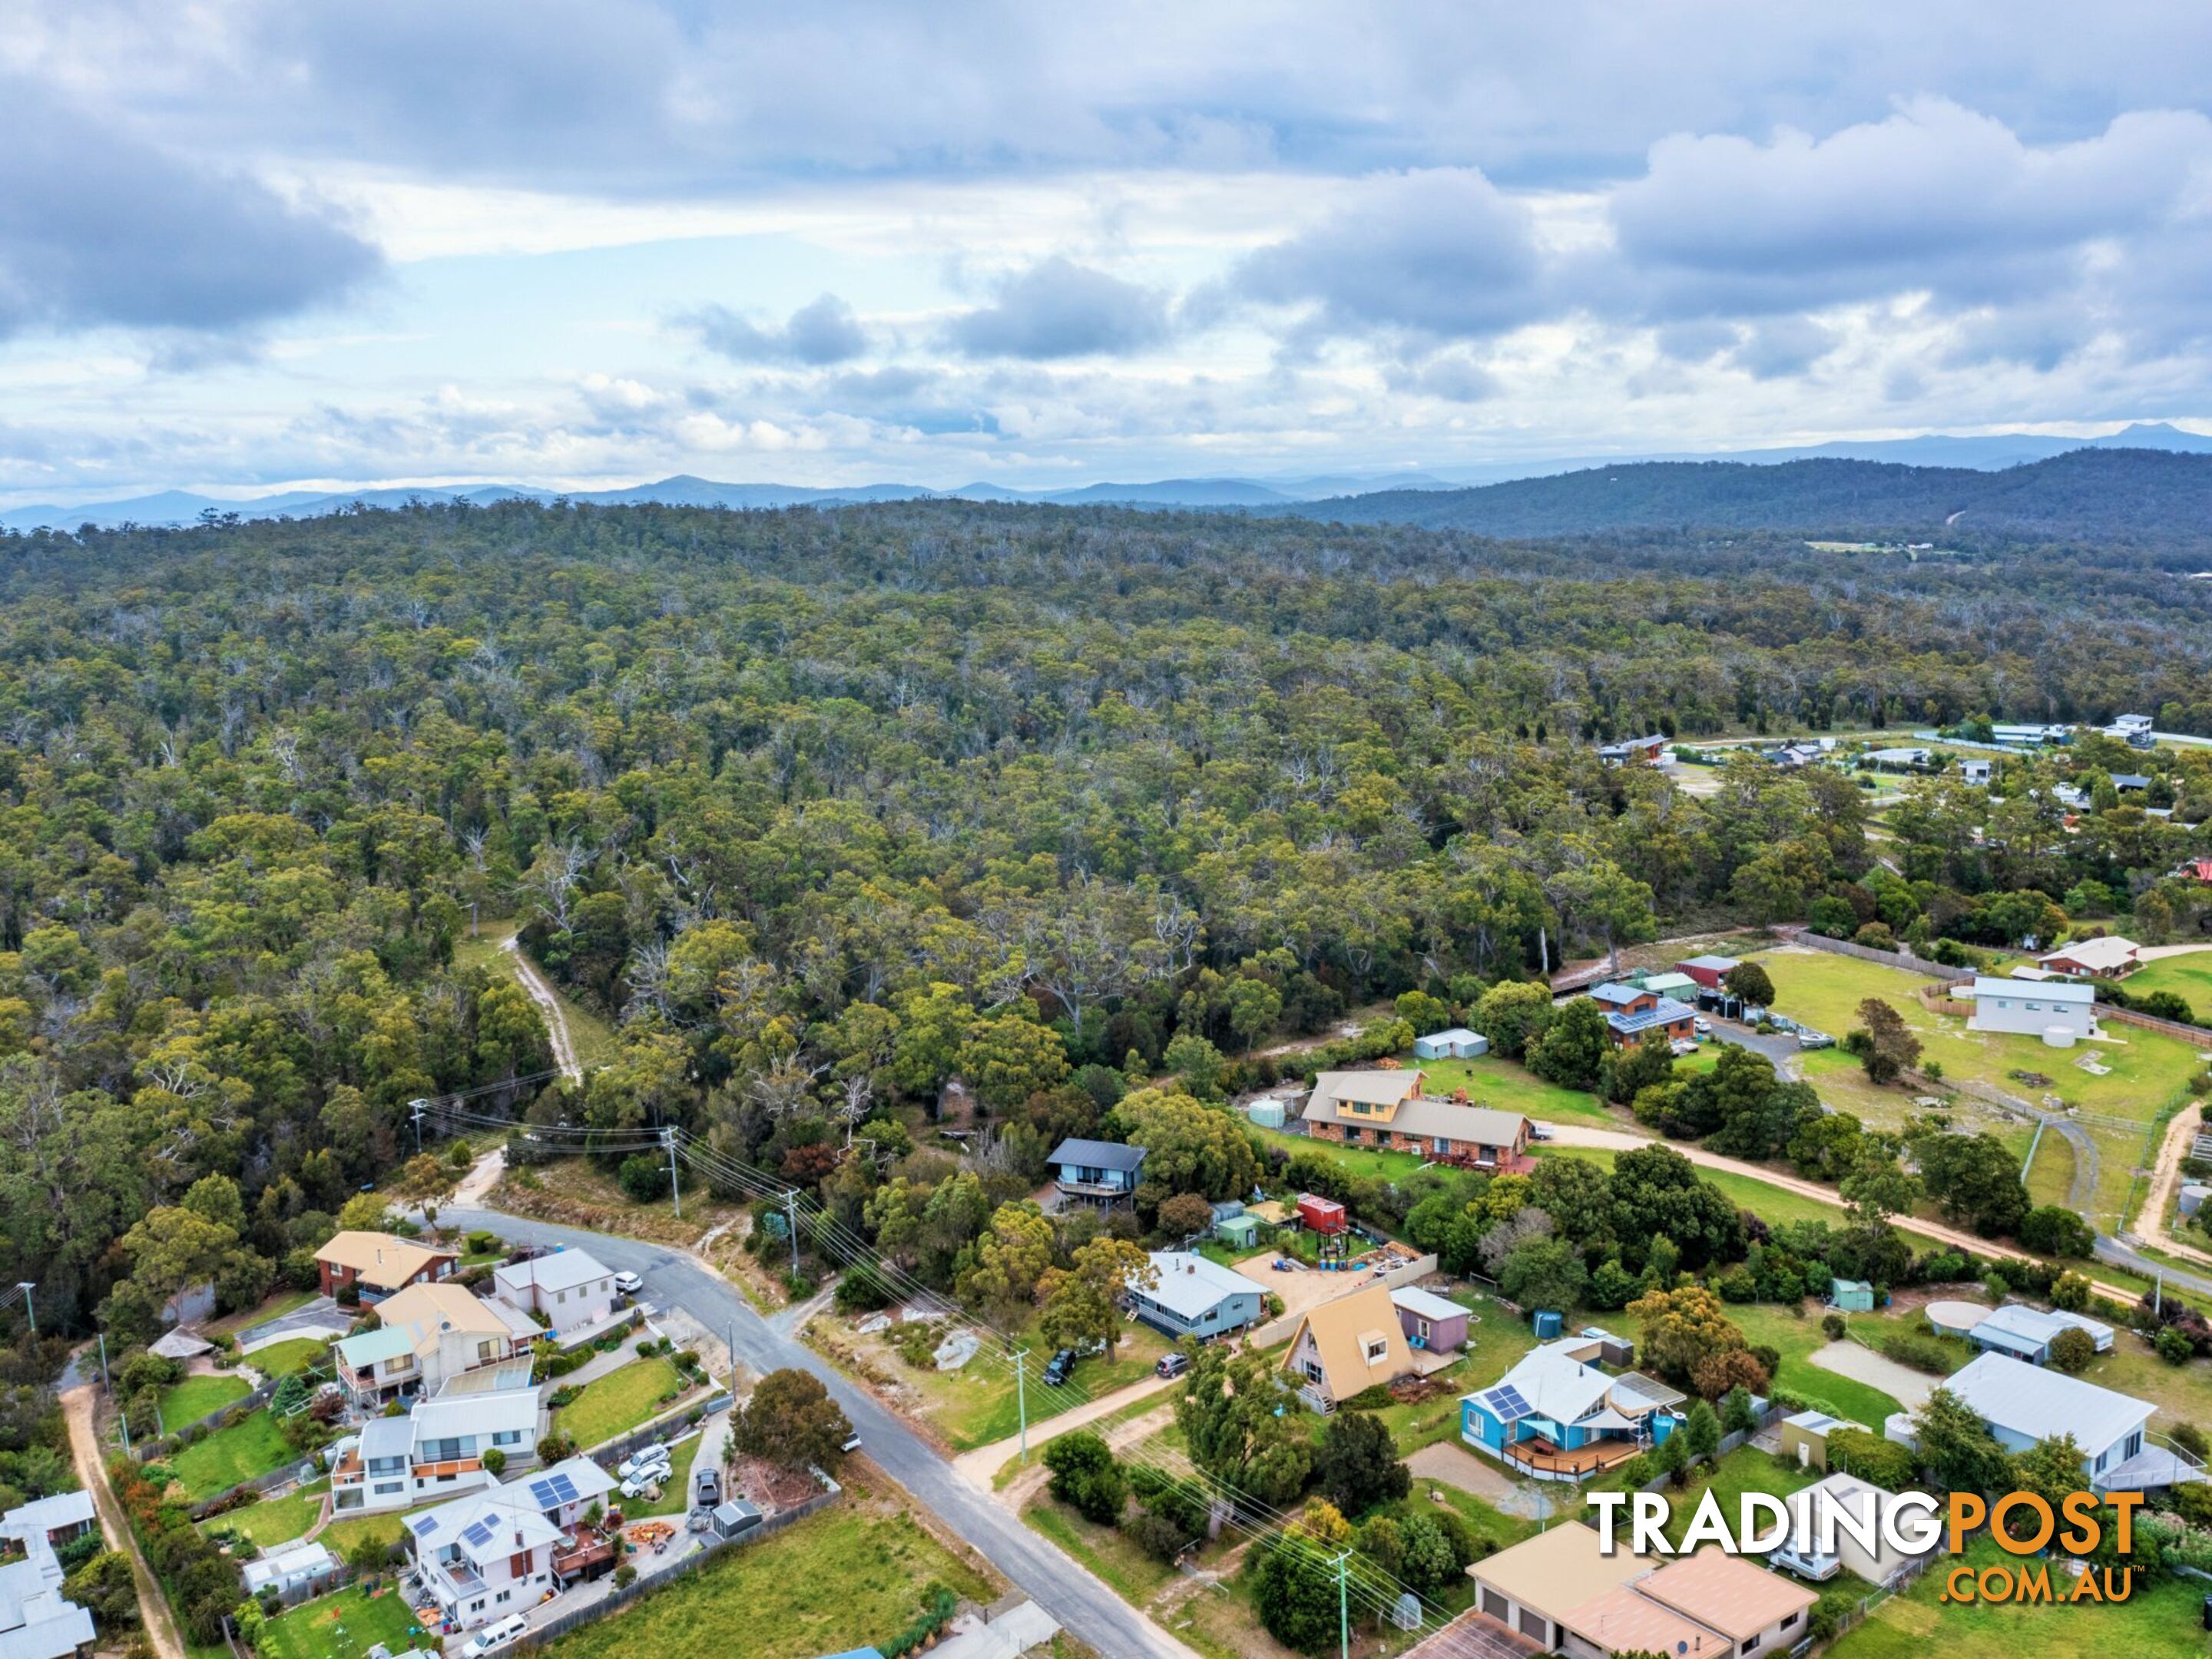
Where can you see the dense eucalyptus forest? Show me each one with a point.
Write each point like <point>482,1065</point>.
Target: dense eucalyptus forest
<point>826,810</point>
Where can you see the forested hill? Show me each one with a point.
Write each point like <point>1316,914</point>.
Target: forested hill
<point>2143,496</point>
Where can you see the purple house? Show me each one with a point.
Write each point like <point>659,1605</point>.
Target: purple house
<point>1429,1320</point>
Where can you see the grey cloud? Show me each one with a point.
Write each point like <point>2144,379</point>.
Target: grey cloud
<point>822,332</point>
<point>98,228</point>
<point>1783,346</point>
<point>1057,308</point>
<point>1454,379</point>
<point>1440,254</point>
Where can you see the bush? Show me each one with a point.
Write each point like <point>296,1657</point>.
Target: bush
<point>643,1177</point>
<point>1923,1353</point>
<point>1086,1477</point>
<point>2172,1346</point>
<point>625,1576</point>
<point>1872,1458</point>
<point>2072,1350</point>
<point>1155,1534</point>
<point>1833,1327</point>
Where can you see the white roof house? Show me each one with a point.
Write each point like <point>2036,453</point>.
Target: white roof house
<point>560,1270</point>
<point>2059,1011</point>
<point>1189,1284</point>
<point>289,1567</point>
<point>37,1621</point>
<point>1426,1304</point>
<point>2106,954</point>
<point>450,1417</point>
<point>1862,1502</point>
<point>2028,1333</point>
<point>2023,1404</point>
<point>45,1516</point>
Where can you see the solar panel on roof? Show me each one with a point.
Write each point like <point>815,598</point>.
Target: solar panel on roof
<point>565,1487</point>
<point>1507,1405</point>
<point>426,1526</point>
<point>544,1493</point>
<point>478,1535</point>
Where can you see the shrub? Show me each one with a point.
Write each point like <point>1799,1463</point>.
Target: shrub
<point>625,1576</point>
<point>1923,1353</point>
<point>644,1177</point>
<point>2172,1346</point>
<point>2072,1350</point>
<point>1155,1534</point>
<point>1086,1477</point>
<point>1833,1327</point>
<point>1872,1458</point>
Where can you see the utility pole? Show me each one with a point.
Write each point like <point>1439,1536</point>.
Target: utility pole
<point>416,1108</point>
<point>1344,1603</point>
<point>675,1188</point>
<point>791,1221</point>
<point>31,1313</point>
<point>1022,1397</point>
<point>104,1383</point>
<point>730,1337</point>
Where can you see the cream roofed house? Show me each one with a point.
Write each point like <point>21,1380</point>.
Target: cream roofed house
<point>1346,1346</point>
<point>1534,1586</point>
<point>431,1333</point>
<point>1387,1109</point>
<point>378,1264</point>
<point>1758,1610</point>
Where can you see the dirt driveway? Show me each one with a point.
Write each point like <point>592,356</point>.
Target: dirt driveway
<point>1301,1288</point>
<point>1909,1388</point>
<point>1455,1466</point>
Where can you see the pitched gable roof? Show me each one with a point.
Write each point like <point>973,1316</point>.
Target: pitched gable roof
<point>1098,1155</point>
<point>378,1259</point>
<point>1344,1330</point>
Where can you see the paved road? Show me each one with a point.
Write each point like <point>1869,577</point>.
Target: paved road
<point>1070,1594</point>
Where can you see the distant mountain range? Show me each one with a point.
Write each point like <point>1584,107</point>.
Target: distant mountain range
<point>2143,496</point>
<point>1440,495</point>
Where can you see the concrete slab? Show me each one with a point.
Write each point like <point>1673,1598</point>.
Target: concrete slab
<point>1909,1388</point>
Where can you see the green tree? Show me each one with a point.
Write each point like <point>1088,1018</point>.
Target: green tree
<point>1086,1478</point>
<point>1083,1302</point>
<point>1574,1046</point>
<point>1543,1272</point>
<point>1514,1015</point>
<point>1012,1258</point>
<point>1189,1147</point>
<point>1750,981</point>
<point>1241,1427</point>
<point>1357,1465</point>
<point>790,1420</point>
<point>1956,1446</point>
<point>1008,1059</point>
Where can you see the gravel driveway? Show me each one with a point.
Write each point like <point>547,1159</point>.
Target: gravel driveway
<point>1909,1388</point>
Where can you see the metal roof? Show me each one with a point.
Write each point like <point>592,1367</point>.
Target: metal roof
<point>2038,1405</point>
<point>1427,1304</point>
<point>2050,990</point>
<point>1189,1285</point>
<point>1098,1154</point>
<point>559,1270</point>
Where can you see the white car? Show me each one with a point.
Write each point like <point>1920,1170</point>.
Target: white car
<point>644,1462</point>
<point>494,1636</point>
<point>1704,1028</point>
<point>629,1284</point>
<point>646,1483</point>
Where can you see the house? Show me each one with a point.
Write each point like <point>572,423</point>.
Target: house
<point>1433,1323</point>
<point>1457,1043</point>
<point>1857,1505</point>
<point>2126,782</point>
<point>1536,1585</point>
<point>378,1264</point>
<point>2023,1405</point>
<point>294,1567</point>
<point>502,1549</point>
<point>1346,1346</point>
<point>431,1333</point>
<point>59,1519</point>
<point>1708,971</point>
<point>180,1345</point>
<point>2196,870</point>
<point>1899,760</point>
<point>1557,1415</point>
<point>1976,771</point>
<point>1633,751</point>
<point>1096,1171</point>
<point>2109,957</point>
<point>1758,1610</point>
<point>37,1621</point>
<point>1622,1620</point>
<point>1387,1109</point>
<point>2026,1333</point>
<point>1678,985</point>
<point>2061,1013</point>
<point>568,1288</point>
<point>436,1450</point>
<point>1632,1013</point>
<point>1191,1297</point>
<point>2031,736</point>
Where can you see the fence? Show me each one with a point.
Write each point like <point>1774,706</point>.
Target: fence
<point>658,1430</point>
<point>2198,1035</point>
<point>648,1580</point>
<point>1728,1442</point>
<point>253,1402</point>
<point>277,1477</point>
<point>1900,957</point>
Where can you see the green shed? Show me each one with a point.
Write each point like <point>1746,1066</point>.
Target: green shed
<point>1851,1296</point>
<point>1239,1232</point>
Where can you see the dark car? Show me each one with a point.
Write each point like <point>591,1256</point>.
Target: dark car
<point>1057,1368</point>
<point>1172,1364</point>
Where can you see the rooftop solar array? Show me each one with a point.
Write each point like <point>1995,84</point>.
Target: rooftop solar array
<point>1506,1404</point>
<point>478,1535</point>
<point>425,1526</point>
<point>554,1490</point>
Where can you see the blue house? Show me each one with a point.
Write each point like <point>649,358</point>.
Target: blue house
<point>1558,1416</point>
<point>1096,1171</point>
<point>1190,1296</point>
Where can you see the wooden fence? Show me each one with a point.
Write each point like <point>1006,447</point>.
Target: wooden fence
<point>1900,957</point>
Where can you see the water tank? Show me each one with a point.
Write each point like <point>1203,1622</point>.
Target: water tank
<point>1267,1114</point>
<point>2193,1194</point>
<point>1547,1325</point>
<point>2058,1037</point>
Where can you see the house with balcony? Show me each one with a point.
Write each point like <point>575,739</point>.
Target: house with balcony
<point>436,1450</point>
<point>1389,1110</point>
<point>1101,1172</point>
<point>379,1265</point>
<point>570,1289</point>
<point>431,1333</point>
<point>1559,1415</point>
<point>502,1549</point>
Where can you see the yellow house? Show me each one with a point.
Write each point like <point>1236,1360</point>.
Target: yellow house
<point>1344,1347</point>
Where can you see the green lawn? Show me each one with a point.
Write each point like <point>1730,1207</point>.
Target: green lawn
<point>195,1396</point>
<point>1509,1087</point>
<point>230,1455</point>
<point>850,1576</point>
<point>1770,1325</point>
<point>1133,1574</point>
<point>1747,1191</point>
<point>1742,1471</point>
<point>2189,978</point>
<point>2156,1622</point>
<point>345,1536</point>
<point>274,1521</point>
<point>275,1307</point>
<point>978,1405</point>
<point>344,1625</point>
<point>617,1402</point>
<point>296,1353</point>
<point>675,1492</point>
<point>1357,1160</point>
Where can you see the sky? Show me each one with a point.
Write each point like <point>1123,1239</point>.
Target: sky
<point>584,243</point>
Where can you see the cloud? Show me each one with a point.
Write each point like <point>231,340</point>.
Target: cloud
<point>98,228</point>
<point>1454,379</point>
<point>1057,308</point>
<point>1439,254</point>
<point>1783,346</point>
<point>823,332</point>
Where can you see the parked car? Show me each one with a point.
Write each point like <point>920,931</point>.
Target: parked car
<point>646,1483</point>
<point>1172,1364</point>
<point>707,1488</point>
<point>1683,1047</point>
<point>1539,1131</point>
<point>1808,1038</point>
<point>638,1461</point>
<point>628,1283</point>
<point>1704,1028</point>
<point>1057,1369</point>
<point>852,1443</point>
<point>500,1633</point>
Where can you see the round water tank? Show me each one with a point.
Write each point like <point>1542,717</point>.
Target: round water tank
<point>2058,1037</point>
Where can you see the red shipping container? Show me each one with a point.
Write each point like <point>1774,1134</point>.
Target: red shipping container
<point>1323,1215</point>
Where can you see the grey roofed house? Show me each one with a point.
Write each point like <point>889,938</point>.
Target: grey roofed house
<point>70,1512</point>
<point>557,1270</point>
<point>2023,1404</point>
<point>2130,781</point>
<point>180,1344</point>
<point>37,1621</point>
<point>289,1567</point>
<point>1099,1155</point>
<point>2017,1329</point>
<point>1191,1295</point>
